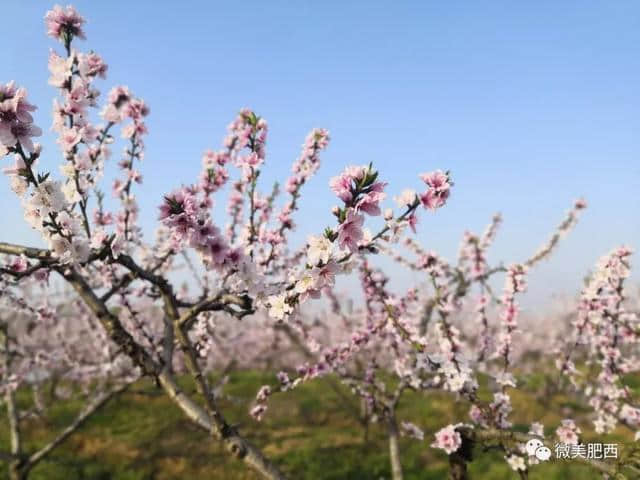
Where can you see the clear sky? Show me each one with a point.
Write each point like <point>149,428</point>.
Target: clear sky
<point>529,104</point>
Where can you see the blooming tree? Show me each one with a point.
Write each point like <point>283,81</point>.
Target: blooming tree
<point>50,343</point>
<point>606,335</point>
<point>421,336</point>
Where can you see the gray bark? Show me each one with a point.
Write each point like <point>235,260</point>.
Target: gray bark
<point>394,448</point>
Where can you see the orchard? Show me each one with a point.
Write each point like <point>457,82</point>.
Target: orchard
<point>99,311</point>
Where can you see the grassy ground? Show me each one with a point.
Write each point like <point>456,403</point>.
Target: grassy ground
<point>309,432</point>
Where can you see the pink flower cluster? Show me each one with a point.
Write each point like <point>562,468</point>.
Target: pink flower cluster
<point>64,23</point>
<point>303,169</point>
<point>473,249</point>
<point>630,415</point>
<point>350,231</point>
<point>412,430</point>
<point>514,283</point>
<point>186,213</point>
<point>247,131</point>
<point>83,144</point>
<point>567,224</point>
<point>333,359</point>
<point>358,189</point>
<point>361,193</point>
<point>500,409</point>
<point>309,162</point>
<point>609,333</point>
<point>46,207</point>
<point>235,209</point>
<point>439,189</point>
<point>568,432</point>
<point>124,106</point>
<point>16,123</point>
<point>448,439</point>
<point>214,174</point>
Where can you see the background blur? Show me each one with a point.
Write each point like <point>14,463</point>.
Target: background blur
<point>530,106</point>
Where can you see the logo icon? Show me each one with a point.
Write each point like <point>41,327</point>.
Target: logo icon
<point>535,447</point>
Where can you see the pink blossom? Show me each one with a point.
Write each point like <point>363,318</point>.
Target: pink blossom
<point>537,429</point>
<point>406,198</point>
<point>135,176</point>
<point>12,133</point>
<point>568,432</point>
<point>211,159</point>
<point>201,234</point>
<point>630,415</point>
<point>476,415</point>
<point>78,99</point>
<point>263,393</point>
<point>412,430</point>
<point>350,231</point>
<point>258,411</point>
<point>432,199</point>
<point>412,220</point>
<point>111,113</point>
<point>341,186</point>
<point>136,109</point>
<point>119,96</point>
<point>516,462</point>
<point>283,378</point>
<point>324,276</point>
<point>370,202</point>
<point>19,264</point>
<point>14,106</point>
<point>92,65</point>
<point>69,138</point>
<point>136,128</point>
<point>217,250</point>
<point>64,21</point>
<point>41,275</point>
<point>437,180</point>
<point>448,439</point>
<point>117,187</point>
<point>580,204</point>
<point>439,189</point>
<point>98,238</point>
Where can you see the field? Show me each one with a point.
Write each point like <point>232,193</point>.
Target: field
<point>310,432</point>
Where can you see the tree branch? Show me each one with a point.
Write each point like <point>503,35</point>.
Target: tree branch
<point>29,252</point>
<point>235,443</point>
<point>89,410</point>
<point>510,436</point>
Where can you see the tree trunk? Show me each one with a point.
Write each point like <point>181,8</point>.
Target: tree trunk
<point>15,464</point>
<point>394,448</point>
<point>457,467</point>
<point>16,472</point>
<point>364,419</point>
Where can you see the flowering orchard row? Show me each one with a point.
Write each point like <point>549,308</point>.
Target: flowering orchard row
<point>98,307</point>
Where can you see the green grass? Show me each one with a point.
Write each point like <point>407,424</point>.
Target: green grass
<point>309,432</point>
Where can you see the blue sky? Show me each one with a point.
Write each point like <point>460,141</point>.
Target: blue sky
<point>529,104</point>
